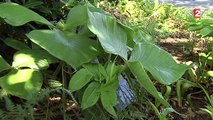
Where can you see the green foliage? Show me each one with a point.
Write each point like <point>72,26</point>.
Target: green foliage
<point>103,83</point>
<point>97,47</point>
<point>34,59</point>
<point>202,26</point>
<point>80,79</point>
<point>209,109</point>
<point>110,33</point>
<point>153,17</point>
<point>4,65</point>
<point>166,70</point>
<point>15,112</point>
<point>15,44</point>
<point>22,83</point>
<point>83,48</point>
<point>9,12</point>
<point>139,72</point>
<point>71,21</point>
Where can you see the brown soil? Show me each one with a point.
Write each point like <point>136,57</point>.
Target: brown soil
<point>182,50</point>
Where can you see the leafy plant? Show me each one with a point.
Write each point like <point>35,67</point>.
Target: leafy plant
<point>202,26</point>
<point>98,48</point>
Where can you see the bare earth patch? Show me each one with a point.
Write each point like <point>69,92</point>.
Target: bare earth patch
<point>182,50</point>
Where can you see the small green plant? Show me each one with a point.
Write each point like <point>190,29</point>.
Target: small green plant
<point>202,26</point>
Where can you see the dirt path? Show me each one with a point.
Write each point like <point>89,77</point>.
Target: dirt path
<point>182,49</point>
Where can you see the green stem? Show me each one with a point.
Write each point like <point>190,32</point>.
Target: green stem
<point>63,93</point>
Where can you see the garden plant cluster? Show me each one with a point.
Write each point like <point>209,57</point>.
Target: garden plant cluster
<point>103,60</point>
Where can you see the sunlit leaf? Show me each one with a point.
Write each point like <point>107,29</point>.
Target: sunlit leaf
<point>209,73</point>
<point>158,62</point>
<point>36,59</point>
<point>110,33</point>
<point>23,83</point>
<point>71,48</point>
<point>17,15</point>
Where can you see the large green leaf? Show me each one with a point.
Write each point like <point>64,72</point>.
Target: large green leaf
<point>110,33</point>
<point>72,48</point>
<point>23,83</point>
<point>158,62</point>
<point>3,64</point>
<point>72,18</point>
<point>142,77</point>
<point>80,79</point>
<point>91,95</point>
<point>17,15</point>
<point>109,99</point>
<point>35,59</point>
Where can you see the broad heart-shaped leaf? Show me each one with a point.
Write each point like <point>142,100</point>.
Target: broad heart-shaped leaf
<point>17,15</point>
<point>109,99</point>
<point>110,33</point>
<point>23,83</point>
<point>91,95</point>
<point>158,62</point>
<point>80,79</point>
<point>35,59</point>
<point>142,77</point>
<point>3,64</point>
<point>73,17</point>
<point>71,48</point>
<point>18,45</point>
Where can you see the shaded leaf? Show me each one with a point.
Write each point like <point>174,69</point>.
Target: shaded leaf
<point>23,83</point>
<point>17,15</point>
<point>142,77</point>
<point>77,11</point>
<point>3,64</point>
<point>109,99</point>
<point>97,70</point>
<point>18,45</point>
<point>79,79</point>
<point>73,49</point>
<point>111,85</point>
<point>91,95</point>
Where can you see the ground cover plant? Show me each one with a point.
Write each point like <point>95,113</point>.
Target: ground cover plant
<point>65,60</point>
